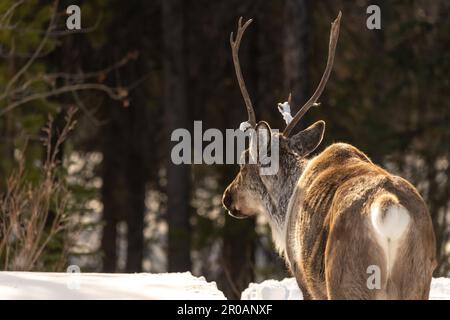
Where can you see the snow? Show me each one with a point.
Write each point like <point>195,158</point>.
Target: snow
<point>287,289</point>
<point>244,126</point>
<point>285,110</point>
<point>440,289</point>
<point>75,286</point>
<point>162,286</point>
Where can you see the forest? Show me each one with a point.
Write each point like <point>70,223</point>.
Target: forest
<point>86,118</point>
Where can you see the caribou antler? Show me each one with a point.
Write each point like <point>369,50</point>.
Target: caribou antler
<point>334,35</point>
<point>235,43</point>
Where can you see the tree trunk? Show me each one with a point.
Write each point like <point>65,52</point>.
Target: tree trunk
<point>136,181</point>
<point>237,256</point>
<point>126,144</point>
<point>110,219</point>
<point>176,116</point>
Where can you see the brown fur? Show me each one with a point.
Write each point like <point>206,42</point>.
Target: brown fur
<point>330,238</point>
<point>319,211</point>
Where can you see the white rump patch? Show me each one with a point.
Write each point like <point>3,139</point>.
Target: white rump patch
<point>393,224</point>
<point>390,224</point>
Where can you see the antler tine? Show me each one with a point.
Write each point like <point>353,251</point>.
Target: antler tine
<point>235,44</point>
<point>334,35</point>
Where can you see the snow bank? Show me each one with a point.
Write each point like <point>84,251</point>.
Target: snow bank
<point>178,286</point>
<point>73,286</point>
<point>287,289</point>
<point>440,289</point>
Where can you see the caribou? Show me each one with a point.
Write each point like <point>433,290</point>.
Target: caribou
<point>336,214</point>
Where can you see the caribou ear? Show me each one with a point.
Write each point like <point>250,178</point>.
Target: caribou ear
<point>260,141</point>
<point>306,141</point>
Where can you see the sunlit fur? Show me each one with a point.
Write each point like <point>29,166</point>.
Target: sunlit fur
<point>334,215</point>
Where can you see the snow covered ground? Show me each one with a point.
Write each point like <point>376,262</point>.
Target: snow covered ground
<point>287,289</point>
<point>62,286</point>
<point>179,286</point>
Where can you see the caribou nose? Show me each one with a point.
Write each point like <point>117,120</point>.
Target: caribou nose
<point>227,200</point>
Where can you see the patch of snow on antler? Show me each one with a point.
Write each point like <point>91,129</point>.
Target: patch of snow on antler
<point>244,126</point>
<point>285,110</point>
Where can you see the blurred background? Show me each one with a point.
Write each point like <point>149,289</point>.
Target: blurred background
<point>86,117</point>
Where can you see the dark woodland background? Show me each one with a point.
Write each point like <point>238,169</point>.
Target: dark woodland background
<point>109,198</point>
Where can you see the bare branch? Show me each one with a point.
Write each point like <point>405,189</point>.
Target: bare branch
<point>116,94</point>
<point>21,55</point>
<point>94,27</point>
<point>235,44</point>
<point>94,74</point>
<point>19,90</point>
<point>59,31</point>
<point>334,35</point>
<point>24,220</point>
<point>76,77</point>
<point>89,114</point>
<point>37,52</point>
<point>8,14</point>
